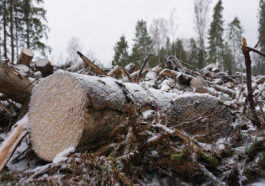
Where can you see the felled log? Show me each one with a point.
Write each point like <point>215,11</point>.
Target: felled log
<point>13,85</point>
<point>25,57</point>
<point>45,67</point>
<point>131,68</point>
<point>73,110</point>
<point>9,145</point>
<point>116,72</point>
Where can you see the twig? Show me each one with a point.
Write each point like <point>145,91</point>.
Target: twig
<point>255,50</point>
<point>93,66</point>
<point>257,44</point>
<point>141,71</point>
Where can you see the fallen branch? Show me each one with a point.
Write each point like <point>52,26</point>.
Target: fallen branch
<point>10,144</point>
<point>141,71</point>
<point>255,119</point>
<point>93,66</point>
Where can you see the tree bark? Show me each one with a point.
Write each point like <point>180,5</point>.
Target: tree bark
<point>73,110</point>
<point>255,119</point>
<point>13,85</point>
<point>5,31</point>
<point>11,7</point>
<point>25,57</point>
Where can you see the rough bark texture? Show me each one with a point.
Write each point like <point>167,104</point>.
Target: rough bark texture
<point>25,57</point>
<point>73,110</point>
<point>245,49</point>
<point>13,85</point>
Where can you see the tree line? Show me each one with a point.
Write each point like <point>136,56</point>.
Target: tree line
<point>223,41</point>
<point>22,24</point>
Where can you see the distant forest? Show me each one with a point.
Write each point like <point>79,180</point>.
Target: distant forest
<point>23,24</point>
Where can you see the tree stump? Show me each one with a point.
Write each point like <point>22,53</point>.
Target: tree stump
<point>45,67</point>
<point>25,57</point>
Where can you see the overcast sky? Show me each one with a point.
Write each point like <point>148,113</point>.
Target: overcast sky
<point>100,23</point>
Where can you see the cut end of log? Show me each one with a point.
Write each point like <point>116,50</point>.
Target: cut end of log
<point>57,115</point>
<point>25,57</point>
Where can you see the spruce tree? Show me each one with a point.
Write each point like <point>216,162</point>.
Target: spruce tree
<point>228,59</point>
<point>216,43</point>
<point>34,19</point>
<point>193,53</point>
<point>180,51</point>
<point>121,52</point>
<point>234,41</point>
<point>142,43</point>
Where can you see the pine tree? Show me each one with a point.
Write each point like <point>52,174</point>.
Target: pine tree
<point>216,43</point>
<point>180,51</point>
<point>193,53</point>
<point>234,41</point>
<point>121,52</point>
<point>142,43</point>
<point>228,58</point>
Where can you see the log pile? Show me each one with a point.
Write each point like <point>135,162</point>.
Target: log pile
<point>172,123</point>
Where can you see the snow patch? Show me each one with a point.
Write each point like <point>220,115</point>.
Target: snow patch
<point>62,156</point>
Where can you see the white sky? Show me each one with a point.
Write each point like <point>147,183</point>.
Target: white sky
<point>100,23</point>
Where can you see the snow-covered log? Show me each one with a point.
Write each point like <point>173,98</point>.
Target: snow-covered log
<point>45,67</point>
<point>25,57</point>
<point>13,84</point>
<point>9,145</point>
<point>73,110</point>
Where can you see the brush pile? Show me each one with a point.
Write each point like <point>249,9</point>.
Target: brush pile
<point>168,125</point>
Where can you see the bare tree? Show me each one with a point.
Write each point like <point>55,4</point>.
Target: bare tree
<point>172,25</point>
<point>74,45</point>
<point>201,9</point>
<point>159,33</point>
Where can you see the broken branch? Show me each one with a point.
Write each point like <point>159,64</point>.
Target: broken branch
<point>93,66</point>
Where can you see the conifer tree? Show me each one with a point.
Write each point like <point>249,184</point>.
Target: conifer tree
<point>234,41</point>
<point>142,43</point>
<point>216,43</point>
<point>34,19</point>
<point>121,52</point>
<point>180,51</point>
<point>193,54</point>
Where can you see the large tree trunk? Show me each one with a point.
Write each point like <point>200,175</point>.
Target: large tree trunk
<point>73,110</point>
<point>5,29</point>
<point>13,85</point>
<point>11,8</point>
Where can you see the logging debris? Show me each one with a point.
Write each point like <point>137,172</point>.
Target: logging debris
<point>177,126</point>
